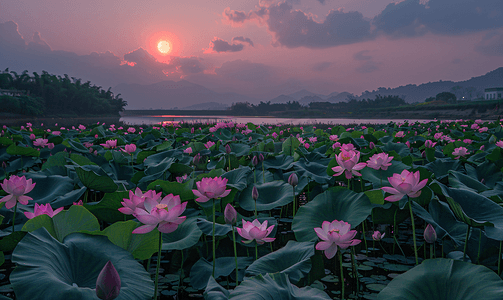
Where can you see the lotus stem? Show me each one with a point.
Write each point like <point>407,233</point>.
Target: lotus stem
<point>229,162</point>
<point>294,200</point>
<point>158,265</point>
<point>355,270</point>
<point>403,253</point>
<point>478,252</point>
<point>499,259</point>
<point>14,217</point>
<point>394,232</point>
<point>413,231</point>
<point>263,172</point>
<point>431,250</point>
<point>342,274</point>
<point>466,241</point>
<point>180,281</point>
<point>213,233</point>
<point>364,239</point>
<point>256,251</point>
<point>254,175</point>
<point>235,254</point>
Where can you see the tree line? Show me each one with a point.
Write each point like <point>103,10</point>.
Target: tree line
<point>48,94</point>
<point>350,105</point>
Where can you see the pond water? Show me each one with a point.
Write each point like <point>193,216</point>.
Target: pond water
<point>158,119</point>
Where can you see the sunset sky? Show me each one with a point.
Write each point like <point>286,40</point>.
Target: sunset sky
<point>256,48</point>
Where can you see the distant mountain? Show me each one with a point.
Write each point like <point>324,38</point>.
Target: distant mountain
<point>305,93</point>
<point>339,97</point>
<point>170,94</point>
<point>469,89</point>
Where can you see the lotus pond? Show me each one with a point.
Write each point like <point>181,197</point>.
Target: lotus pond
<point>239,211</point>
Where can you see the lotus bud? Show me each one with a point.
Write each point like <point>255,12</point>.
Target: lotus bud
<point>230,214</point>
<point>407,143</point>
<point>492,139</point>
<point>4,165</point>
<point>254,193</point>
<point>377,236</point>
<point>260,157</point>
<point>196,159</point>
<point>430,236</point>
<point>293,180</point>
<point>372,145</point>
<point>482,147</point>
<point>227,149</point>
<point>108,284</point>
<point>254,161</point>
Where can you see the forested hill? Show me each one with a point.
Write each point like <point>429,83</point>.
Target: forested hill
<point>49,94</point>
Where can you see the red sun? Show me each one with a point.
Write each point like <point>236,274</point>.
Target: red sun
<point>163,45</point>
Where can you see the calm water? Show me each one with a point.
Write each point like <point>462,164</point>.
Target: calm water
<point>152,120</point>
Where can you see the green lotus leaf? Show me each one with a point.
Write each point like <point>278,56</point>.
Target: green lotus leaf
<point>57,160</point>
<point>184,190</point>
<point>271,195</point>
<point>75,219</point>
<point>25,151</point>
<point>290,145</point>
<point>107,209</point>
<point>462,181</point>
<point>274,287</point>
<point>93,181</point>
<point>316,170</point>
<point>237,178</point>
<point>444,279</point>
<point>69,270</point>
<point>202,269</point>
<point>185,236</point>
<point>441,167</point>
<point>215,291</point>
<point>335,204</point>
<point>77,146</point>
<point>294,260</point>
<point>486,171</point>
<point>206,227</point>
<point>280,162</point>
<point>48,188</point>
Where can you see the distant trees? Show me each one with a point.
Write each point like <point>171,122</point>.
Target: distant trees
<point>351,105</point>
<point>51,94</point>
<point>446,97</point>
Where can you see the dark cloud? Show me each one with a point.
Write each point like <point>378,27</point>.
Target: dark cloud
<point>322,1</point>
<point>10,36</point>
<point>446,17</point>
<point>243,39</point>
<point>491,44</point>
<point>321,66</point>
<point>294,28</point>
<point>456,61</point>
<point>219,45</point>
<point>361,55</point>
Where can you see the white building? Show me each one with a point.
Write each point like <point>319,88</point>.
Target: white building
<point>493,93</point>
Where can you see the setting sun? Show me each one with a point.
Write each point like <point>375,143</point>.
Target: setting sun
<point>164,47</point>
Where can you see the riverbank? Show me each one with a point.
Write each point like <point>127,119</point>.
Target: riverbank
<point>19,120</point>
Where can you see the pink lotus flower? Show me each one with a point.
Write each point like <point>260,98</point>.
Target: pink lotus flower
<point>87,144</point>
<point>460,152</point>
<point>405,183</point>
<point>430,235</point>
<point>379,161</point>
<point>131,130</point>
<point>400,134</point>
<point>129,149</point>
<point>333,137</point>
<point>136,200</point>
<point>80,203</point>
<point>209,144</point>
<point>377,236</point>
<point>188,150</point>
<point>165,213</point>
<point>42,209</point>
<point>230,214</point>
<point>181,179</point>
<point>82,127</point>
<point>110,144</point>
<point>348,164</point>
<point>429,144</point>
<point>348,147</point>
<point>211,188</point>
<point>108,283</point>
<point>499,144</point>
<point>40,142</point>
<point>16,187</point>
<point>335,234</point>
<point>255,231</point>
